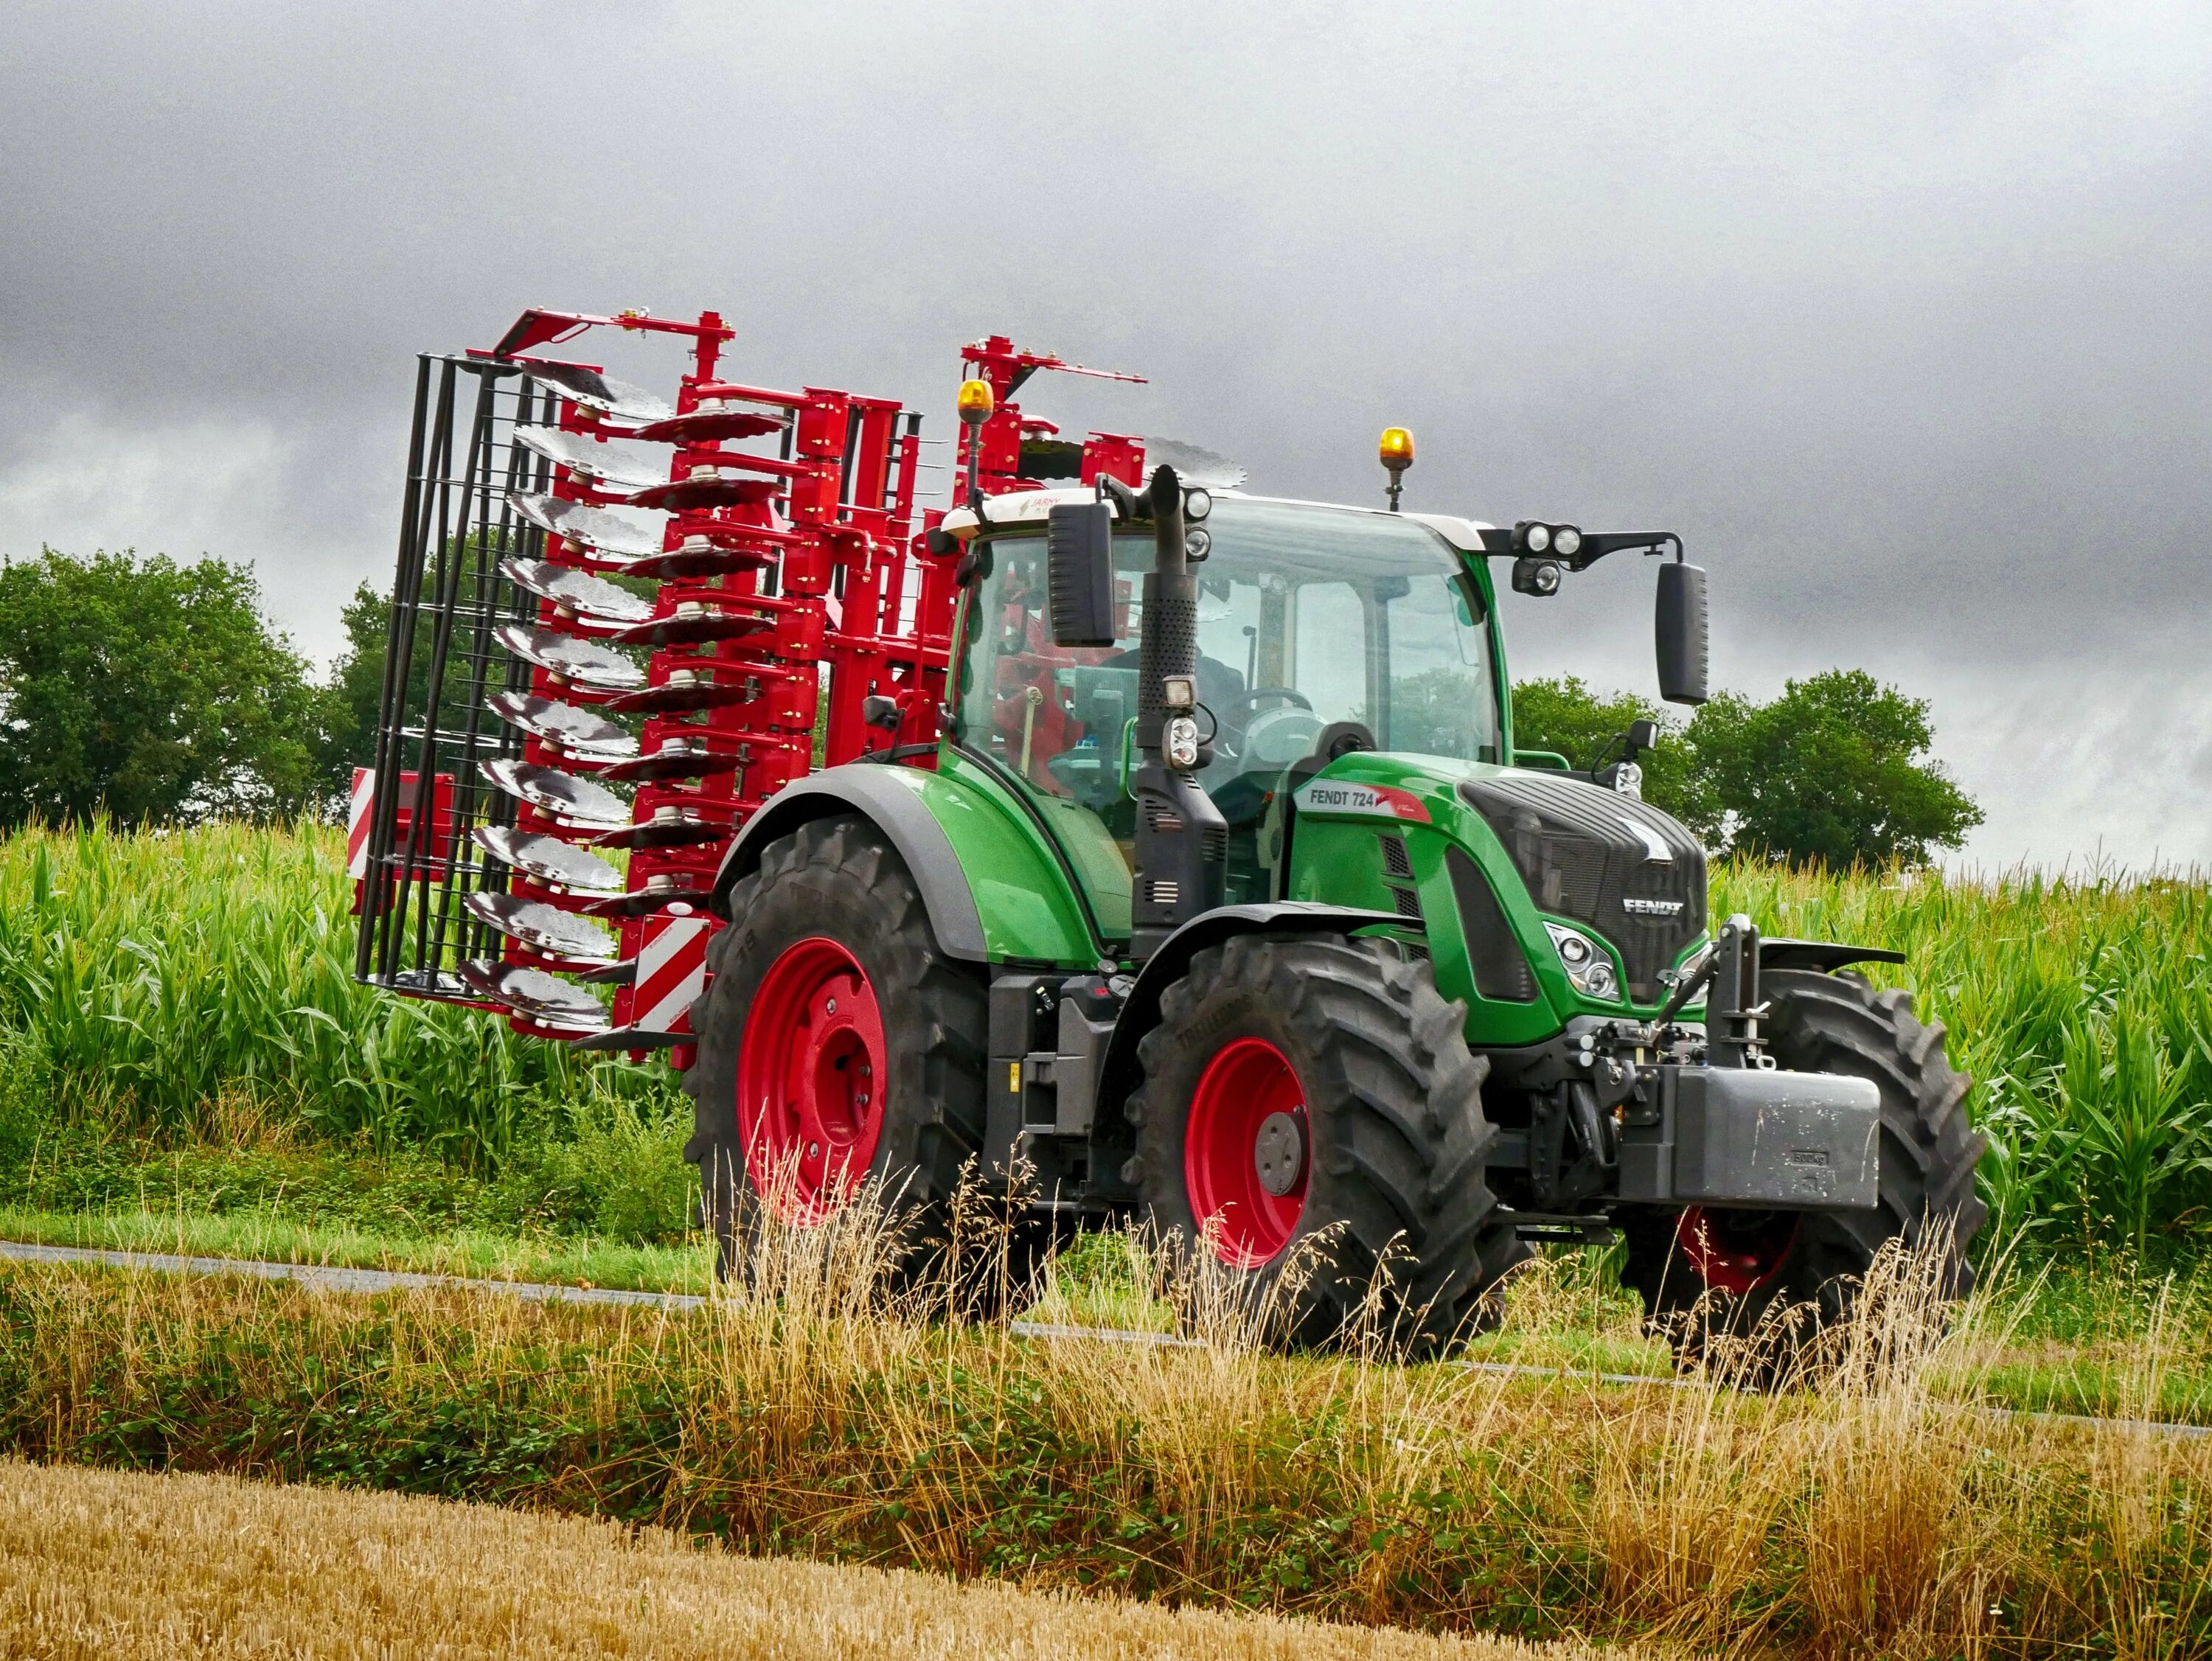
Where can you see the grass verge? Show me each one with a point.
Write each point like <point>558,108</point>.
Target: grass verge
<point>813,1413</point>
<point>471,1253</point>
<point>2102,1340</point>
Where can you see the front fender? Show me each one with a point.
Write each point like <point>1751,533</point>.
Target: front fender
<point>1140,1011</point>
<point>1823,957</point>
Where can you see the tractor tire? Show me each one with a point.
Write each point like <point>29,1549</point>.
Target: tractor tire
<point>1708,1272</point>
<point>1304,1085</point>
<point>837,1044</point>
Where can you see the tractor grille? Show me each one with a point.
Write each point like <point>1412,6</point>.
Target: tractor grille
<point>1588,853</point>
<point>1501,969</point>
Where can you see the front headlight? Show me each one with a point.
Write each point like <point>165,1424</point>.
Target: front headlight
<point>1589,971</point>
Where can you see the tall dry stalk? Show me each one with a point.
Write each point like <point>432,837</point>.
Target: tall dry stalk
<point>1689,1495</point>
<point>1893,1546</point>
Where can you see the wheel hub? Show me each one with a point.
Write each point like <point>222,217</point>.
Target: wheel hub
<point>1279,1154</point>
<point>810,1108</point>
<point>1245,1163</point>
<point>1736,1252</point>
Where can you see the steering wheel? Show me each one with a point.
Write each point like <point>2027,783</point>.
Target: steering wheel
<point>1297,700</point>
<point>1277,737</point>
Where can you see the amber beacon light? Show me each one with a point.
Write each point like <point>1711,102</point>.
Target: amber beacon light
<point>975,403</point>
<point>1396,451</point>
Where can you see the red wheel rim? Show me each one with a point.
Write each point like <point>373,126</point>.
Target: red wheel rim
<point>1227,1139</point>
<point>1736,1252</point>
<point>810,1080</point>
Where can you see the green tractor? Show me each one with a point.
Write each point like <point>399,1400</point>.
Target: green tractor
<point>1226,900</point>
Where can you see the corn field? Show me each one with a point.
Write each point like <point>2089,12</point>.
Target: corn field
<point>154,974</point>
<point>2083,1006</point>
<point>151,975</point>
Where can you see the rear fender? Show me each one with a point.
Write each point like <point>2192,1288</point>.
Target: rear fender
<point>1141,1012</point>
<point>992,889</point>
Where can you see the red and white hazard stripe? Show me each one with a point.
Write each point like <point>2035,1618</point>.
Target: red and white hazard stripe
<point>364,795</point>
<point>672,972</point>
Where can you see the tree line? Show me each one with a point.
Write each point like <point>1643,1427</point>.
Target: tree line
<point>161,692</point>
<point>1837,771</point>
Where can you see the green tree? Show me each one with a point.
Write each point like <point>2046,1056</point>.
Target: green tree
<point>1565,717</point>
<point>353,700</point>
<point>1835,771</point>
<point>156,690</point>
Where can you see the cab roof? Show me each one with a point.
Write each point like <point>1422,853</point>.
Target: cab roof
<point>1031,506</point>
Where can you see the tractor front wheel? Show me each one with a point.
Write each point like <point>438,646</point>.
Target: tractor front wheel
<point>1706,1270</point>
<point>1310,1112</point>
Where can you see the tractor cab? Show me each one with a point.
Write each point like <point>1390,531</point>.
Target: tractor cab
<point>1321,630</point>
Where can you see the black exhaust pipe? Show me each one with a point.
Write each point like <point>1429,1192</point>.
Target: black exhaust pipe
<point>1183,840</point>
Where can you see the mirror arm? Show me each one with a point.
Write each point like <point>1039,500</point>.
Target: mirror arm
<point>1596,544</point>
<point>1128,505</point>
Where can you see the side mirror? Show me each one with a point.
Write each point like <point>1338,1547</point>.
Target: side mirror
<point>1080,573</point>
<point>1680,629</point>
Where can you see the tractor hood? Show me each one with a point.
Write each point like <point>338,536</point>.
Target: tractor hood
<point>1608,862</point>
<point>1618,867</point>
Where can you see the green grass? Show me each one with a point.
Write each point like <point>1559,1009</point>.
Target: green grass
<point>467,1252</point>
<point>2109,1342</point>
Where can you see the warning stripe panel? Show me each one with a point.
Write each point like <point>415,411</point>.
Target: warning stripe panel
<point>364,792</point>
<point>671,973</point>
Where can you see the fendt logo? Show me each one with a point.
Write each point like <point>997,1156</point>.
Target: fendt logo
<point>1371,801</point>
<point>1653,907</point>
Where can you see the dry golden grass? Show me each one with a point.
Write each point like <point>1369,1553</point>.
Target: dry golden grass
<point>132,1567</point>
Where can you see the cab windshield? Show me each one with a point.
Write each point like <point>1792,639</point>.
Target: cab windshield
<point>1308,616</point>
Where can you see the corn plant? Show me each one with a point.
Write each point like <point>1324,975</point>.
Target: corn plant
<point>155,971</point>
<point>2082,1004</point>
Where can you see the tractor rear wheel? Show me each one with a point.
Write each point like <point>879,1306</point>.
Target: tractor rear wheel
<point>1311,1086</point>
<point>837,1044</point>
<point>1704,1271</point>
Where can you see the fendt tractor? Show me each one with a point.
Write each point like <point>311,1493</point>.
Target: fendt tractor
<point>1160,848</point>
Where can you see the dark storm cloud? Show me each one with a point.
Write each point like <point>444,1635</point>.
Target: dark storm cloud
<point>1899,315</point>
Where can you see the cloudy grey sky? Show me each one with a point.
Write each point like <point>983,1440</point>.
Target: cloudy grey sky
<point>1900,314</point>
